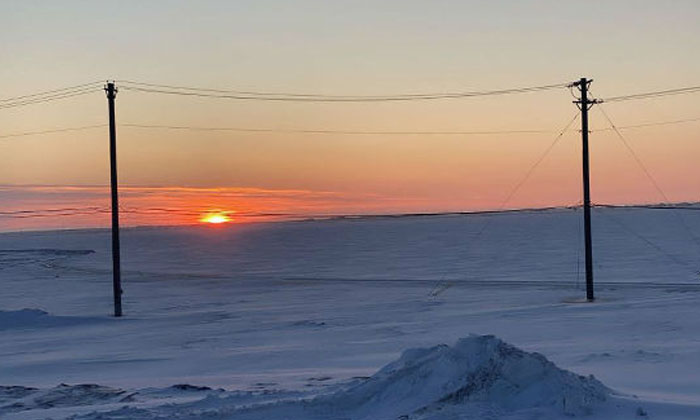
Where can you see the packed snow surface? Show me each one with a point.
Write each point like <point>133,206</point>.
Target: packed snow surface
<point>295,320</point>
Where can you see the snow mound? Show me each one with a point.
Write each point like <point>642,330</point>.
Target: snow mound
<point>479,369</point>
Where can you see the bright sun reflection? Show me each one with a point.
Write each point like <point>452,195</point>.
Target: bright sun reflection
<point>215,218</point>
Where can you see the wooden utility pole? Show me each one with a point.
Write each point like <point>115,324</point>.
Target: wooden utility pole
<point>116,264</point>
<point>584,105</point>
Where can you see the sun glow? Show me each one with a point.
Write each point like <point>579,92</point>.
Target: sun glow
<point>215,218</point>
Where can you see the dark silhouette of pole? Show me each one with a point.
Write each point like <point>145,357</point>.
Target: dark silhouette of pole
<point>116,264</point>
<point>584,105</point>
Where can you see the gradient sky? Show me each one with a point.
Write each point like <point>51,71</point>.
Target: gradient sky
<point>344,47</point>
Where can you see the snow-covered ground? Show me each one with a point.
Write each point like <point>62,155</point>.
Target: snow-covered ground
<point>311,319</point>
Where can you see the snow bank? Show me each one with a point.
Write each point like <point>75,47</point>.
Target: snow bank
<point>478,369</point>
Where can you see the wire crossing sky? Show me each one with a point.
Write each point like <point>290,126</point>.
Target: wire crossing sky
<point>395,106</point>
<point>68,92</point>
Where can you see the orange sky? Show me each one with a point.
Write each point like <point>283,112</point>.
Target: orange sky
<point>359,48</point>
<point>88,206</point>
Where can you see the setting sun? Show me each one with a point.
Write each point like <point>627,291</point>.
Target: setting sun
<point>215,218</point>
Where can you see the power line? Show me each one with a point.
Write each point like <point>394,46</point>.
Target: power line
<point>85,88</point>
<point>349,132</point>
<point>656,185</point>
<point>512,192</point>
<point>57,130</point>
<point>93,210</point>
<point>340,132</point>
<point>49,92</point>
<point>652,244</point>
<point>58,210</point>
<point>371,132</point>
<point>308,97</point>
<point>634,154</point>
<point>539,160</point>
<point>651,124</point>
<point>61,212</point>
<point>318,95</point>
<point>48,98</point>
<point>654,94</point>
<point>259,93</point>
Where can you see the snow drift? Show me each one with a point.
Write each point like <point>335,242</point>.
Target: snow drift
<point>478,377</point>
<point>478,369</point>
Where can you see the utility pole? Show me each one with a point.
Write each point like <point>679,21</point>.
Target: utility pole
<point>116,264</point>
<point>584,104</point>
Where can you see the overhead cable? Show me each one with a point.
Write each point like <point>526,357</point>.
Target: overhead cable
<point>311,131</point>
<point>313,97</point>
<point>57,130</point>
<point>654,94</point>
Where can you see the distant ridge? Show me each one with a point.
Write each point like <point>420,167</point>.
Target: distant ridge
<point>282,218</point>
<point>679,205</point>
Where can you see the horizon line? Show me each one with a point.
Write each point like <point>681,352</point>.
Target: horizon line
<point>680,205</point>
